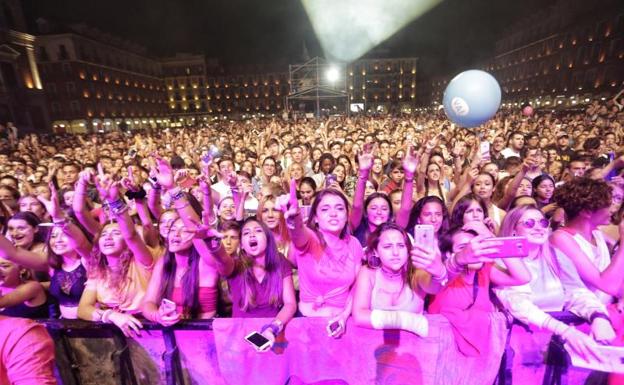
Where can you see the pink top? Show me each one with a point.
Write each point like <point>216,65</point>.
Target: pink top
<point>26,353</point>
<point>326,273</point>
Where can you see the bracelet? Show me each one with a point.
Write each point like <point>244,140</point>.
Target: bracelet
<point>116,205</point>
<point>175,195</point>
<point>598,314</point>
<point>134,195</point>
<point>96,316</point>
<point>105,316</point>
<point>60,222</point>
<point>274,329</point>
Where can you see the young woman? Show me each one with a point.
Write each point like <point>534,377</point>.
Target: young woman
<point>470,208</point>
<point>483,186</point>
<point>23,232</point>
<point>465,301</point>
<point>307,191</point>
<point>67,259</point>
<point>189,272</point>
<point>121,267</point>
<point>431,183</point>
<point>187,275</point>
<point>261,285</point>
<point>554,286</point>
<point>368,214</point>
<point>390,290</point>
<point>543,189</point>
<point>429,211</point>
<point>327,257</point>
<point>587,205</point>
<point>273,218</point>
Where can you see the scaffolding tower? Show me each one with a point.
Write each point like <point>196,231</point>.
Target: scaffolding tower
<point>316,80</point>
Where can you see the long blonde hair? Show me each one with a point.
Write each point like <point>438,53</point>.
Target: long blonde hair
<point>508,229</point>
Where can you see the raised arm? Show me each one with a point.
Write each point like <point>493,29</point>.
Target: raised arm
<point>109,192</point>
<point>410,165</point>
<point>77,239</point>
<point>207,240</point>
<point>22,257</point>
<point>138,194</point>
<point>79,203</point>
<point>297,232</point>
<point>365,163</point>
<point>512,187</point>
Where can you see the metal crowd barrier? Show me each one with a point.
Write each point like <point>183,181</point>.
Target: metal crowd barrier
<point>72,369</point>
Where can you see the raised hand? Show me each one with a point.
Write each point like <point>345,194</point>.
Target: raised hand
<point>428,260</point>
<point>52,205</point>
<point>410,162</point>
<point>292,209</point>
<point>366,158</point>
<point>163,173</point>
<point>106,186</point>
<point>130,183</point>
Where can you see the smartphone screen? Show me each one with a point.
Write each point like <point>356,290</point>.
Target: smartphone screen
<point>334,326</point>
<point>423,235</point>
<point>257,340</point>
<point>329,179</point>
<point>485,150</point>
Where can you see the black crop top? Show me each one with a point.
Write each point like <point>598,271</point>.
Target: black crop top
<point>67,286</point>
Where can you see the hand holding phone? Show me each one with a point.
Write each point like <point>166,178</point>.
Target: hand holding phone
<point>330,179</point>
<point>167,307</point>
<point>424,236</point>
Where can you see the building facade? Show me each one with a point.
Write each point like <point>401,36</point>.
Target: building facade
<point>383,85</point>
<point>96,82</point>
<point>561,57</point>
<point>22,99</point>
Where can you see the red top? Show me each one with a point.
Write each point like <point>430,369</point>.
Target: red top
<point>468,309</point>
<point>26,353</point>
<point>207,299</point>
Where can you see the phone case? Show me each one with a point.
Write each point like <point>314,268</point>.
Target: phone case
<point>423,236</point>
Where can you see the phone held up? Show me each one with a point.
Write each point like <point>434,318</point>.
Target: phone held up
<point>424,236</point>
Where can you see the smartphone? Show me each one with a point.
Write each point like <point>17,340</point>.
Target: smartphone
<point>485,150</point>
<point>334,326</point>
<point>187,182</point>
<point>612,173</point>
<point>132,153</point>
<point>424,236</point>
<point>167,306</point>
<point>257,340</point>
<point>329,179</point>
<point>513,247</point>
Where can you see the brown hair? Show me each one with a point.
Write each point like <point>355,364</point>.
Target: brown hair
<point>582,194</point>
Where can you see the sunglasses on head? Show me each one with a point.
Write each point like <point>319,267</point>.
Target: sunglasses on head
<point>530,223</point>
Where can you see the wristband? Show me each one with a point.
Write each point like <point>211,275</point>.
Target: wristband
<point>597,314</point>
<point>106,315</point>
<point>274,329</point>
<point>134,195</point>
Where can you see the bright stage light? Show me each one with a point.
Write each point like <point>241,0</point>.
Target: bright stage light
<point>347,29</point>
<point>332,74</point>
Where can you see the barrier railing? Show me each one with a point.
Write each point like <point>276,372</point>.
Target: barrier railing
<point>214,352</point>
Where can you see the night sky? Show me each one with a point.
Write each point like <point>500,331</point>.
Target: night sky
<point>451,36</point>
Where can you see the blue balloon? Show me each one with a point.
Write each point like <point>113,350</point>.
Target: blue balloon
<point>472,98</point>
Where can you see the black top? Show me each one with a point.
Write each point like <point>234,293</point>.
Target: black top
<point>67,286</point>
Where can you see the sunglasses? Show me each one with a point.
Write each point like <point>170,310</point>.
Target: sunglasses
<point>530,223</point>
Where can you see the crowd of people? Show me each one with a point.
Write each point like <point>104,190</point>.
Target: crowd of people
<point>274,218</point>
